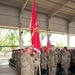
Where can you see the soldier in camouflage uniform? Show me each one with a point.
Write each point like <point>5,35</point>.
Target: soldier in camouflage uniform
<point>59,55</point>
<point>16,56</point>
<point>27,62</point>
<point>73,56</point>
<point>44,60</point>
<point>59,61</point>
<point>65,60</point>
<point>19,62</point>
<point>52,60</point>
<point>13,54</point>
<point>16,53</point>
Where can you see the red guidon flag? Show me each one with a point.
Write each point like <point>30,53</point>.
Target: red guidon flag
<point>34,29</point>
<point>48,45</point>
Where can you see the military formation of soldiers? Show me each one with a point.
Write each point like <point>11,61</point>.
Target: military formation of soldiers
<point>16,54</point>
<point>28,64</point>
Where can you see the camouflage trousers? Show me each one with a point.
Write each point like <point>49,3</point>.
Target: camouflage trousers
<point>65,71</point>
<point>18,67</point>
<point>65,68</point>
<point>52,71</point>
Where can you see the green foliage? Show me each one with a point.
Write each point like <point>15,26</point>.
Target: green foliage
<point>9,37</point>
<point>0,47</point>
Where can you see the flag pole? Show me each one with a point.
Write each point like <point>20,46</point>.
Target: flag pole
<point>39,69</point>
<point>34,32</point>
<point>48,36</point>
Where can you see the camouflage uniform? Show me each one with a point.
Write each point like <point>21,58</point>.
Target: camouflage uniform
<point>36,63</point>
<point>65,61</point>
<point>27,65</point>
<point>59,63</point>
<point>52,62</point>
<point>73,56</point>
<point>15,58</point>
<point>44,60</point>
<point>13,54</point>
<point>59,56</point>
<point>18,63</point>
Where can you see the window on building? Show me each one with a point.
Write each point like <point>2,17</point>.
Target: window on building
<point>72,41</point>
<point>59,40</point>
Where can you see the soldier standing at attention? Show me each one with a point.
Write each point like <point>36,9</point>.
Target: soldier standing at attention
<point>44,60</point>
<point>20,52</point>
<point>52,60</point>
<point>65,60</point>
<point>27,62</point>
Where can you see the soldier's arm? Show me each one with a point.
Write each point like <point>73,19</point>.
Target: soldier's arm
<point>36,61</point>
<point>56,58</point>
<point>69,57</point>
<point>45,58</point>
<point>48,59</point>
<point>23,59</point>
<point>36,56</point>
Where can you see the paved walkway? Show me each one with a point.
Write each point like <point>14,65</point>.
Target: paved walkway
<point>7,70</point>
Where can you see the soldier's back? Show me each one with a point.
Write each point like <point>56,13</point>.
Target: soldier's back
<point>27,65</point>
